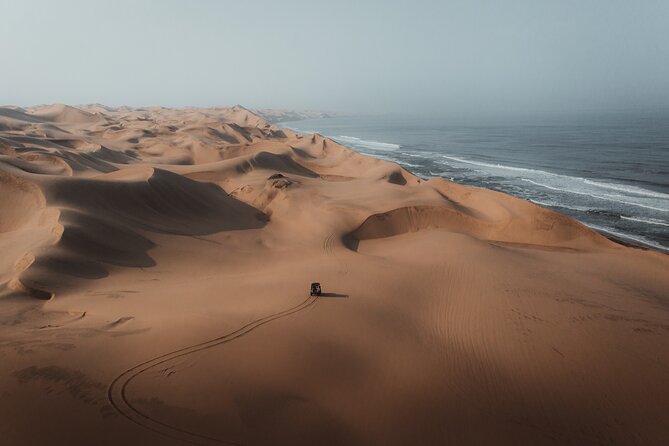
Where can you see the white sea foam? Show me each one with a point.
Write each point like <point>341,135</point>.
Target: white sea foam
<point>565,183</point>
<point>612,198</point>
<point>561,205</point>
<point>373,145</point>
<point>649,221</point>
<point>627,189</point>
<point>295,129</point>
<point>541,203</point>
<point>419,154</point>
<point>495,166</point>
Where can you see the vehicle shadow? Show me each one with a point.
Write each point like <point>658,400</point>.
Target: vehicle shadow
<point>343,296</point>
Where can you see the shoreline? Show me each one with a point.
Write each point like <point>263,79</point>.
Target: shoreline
<point>624,239</point>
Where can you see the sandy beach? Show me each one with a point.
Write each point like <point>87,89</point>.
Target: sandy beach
<point>154,290</point>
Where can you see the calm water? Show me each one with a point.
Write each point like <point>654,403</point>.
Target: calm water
<point>610,172</point>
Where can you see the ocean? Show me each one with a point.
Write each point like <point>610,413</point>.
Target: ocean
<point>611,171</point>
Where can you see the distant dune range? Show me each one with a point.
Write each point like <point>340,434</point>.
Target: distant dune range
<point>154,285</point>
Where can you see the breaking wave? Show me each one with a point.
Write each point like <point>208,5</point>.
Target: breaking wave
<point>613,198</point>
<point>613,192</point>
<point>363,143</point>
<point>648,221</point>
<point>627,189</point>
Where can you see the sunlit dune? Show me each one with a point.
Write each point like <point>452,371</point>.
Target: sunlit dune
<point>154,289</point>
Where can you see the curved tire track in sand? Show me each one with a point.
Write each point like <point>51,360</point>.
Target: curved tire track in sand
<point>329,250</point>
<point>117,391</point>
<point>328,244</point>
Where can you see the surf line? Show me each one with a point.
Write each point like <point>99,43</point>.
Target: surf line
<point>117,391</point>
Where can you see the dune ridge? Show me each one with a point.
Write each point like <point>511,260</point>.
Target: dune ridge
<point>451,314</point>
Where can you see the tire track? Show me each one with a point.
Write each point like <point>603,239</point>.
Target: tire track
<point>117,391</point>
<point>329,250</point>
<point>328,244</point>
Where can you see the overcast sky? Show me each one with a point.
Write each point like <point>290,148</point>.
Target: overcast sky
<point>358,56</point>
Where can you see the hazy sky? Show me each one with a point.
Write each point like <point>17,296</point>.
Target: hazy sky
<point>361,56</point>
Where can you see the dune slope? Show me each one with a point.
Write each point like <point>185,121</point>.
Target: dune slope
<point>154,286</point>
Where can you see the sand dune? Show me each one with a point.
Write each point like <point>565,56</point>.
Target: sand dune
<point>61,113</point>
<point>154,278</point>
<point>490,216</point>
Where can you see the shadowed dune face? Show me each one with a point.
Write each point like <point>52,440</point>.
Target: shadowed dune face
<point>58,159</point>
<point>166,202</point>
<point>108,222</point>
<point>154,289</point>
<point>88,246</point>
<point>25,225</point>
